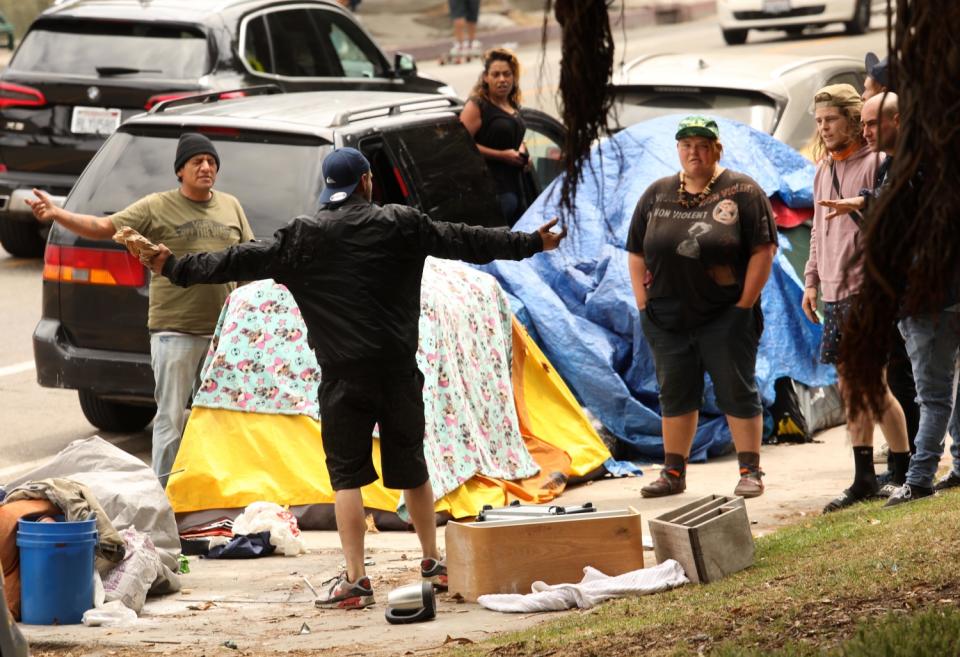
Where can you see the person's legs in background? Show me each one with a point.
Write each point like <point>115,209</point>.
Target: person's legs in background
<point>174,359</point>
<point>952,478</point>
<point>932,343</point>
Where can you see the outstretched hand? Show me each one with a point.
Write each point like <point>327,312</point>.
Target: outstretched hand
<point>156,262</point>
<point>550,239</point>
<point>842,206</point>
<point>43,207</point>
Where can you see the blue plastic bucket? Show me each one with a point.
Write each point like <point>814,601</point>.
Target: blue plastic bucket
<point>56,570</point>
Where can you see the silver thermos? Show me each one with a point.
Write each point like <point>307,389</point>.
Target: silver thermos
<point>411,604</point>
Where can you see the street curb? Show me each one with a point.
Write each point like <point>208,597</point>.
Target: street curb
<point>657,13</point>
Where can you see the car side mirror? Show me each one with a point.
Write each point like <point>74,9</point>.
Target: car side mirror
<point>405,65</point>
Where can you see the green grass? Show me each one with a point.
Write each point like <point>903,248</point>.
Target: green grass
<point>811,587</point>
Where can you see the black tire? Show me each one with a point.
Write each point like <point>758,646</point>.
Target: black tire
<point>795,31</point>
<point>860,22</point>
<point>115,416</point>
<point>735,37</point>
<point>22,239</point>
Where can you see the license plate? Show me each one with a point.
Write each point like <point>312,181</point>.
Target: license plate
<point>94,120</point>
<point>776,6</point>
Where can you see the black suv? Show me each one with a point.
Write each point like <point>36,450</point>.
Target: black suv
<point>86,66</point>
<point>92,335</point>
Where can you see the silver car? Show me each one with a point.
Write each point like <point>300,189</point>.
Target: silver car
<point>772,93</point>
<point>737,17</point>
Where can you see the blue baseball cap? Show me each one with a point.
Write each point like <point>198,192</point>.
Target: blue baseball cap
<point>342,170</point>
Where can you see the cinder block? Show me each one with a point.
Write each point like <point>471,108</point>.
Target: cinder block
<point>710,537</point>
<point>508,556</point>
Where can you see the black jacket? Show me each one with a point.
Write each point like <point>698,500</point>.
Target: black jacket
<point>354,271</point>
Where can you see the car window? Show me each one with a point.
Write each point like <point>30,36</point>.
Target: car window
<point>446,174</point>
<point>299,49</point>
<point>275,177</point>
<point>546,157</point>
<point>114,48</point>
<point>256,46</point>
<point>635,104</point>
<point>852,78</point>
<point>354,61</point>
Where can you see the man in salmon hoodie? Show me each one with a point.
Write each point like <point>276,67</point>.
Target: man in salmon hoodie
<point>845,165</point>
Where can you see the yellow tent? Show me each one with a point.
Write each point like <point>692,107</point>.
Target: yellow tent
<point>232,458</point>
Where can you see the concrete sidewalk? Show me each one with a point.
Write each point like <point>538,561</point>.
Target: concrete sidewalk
<point>423,28</point>
<point>262,605</point>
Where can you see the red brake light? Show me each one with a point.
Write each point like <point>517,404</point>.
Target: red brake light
<point>69,264</point>
<point>15,95</point>
<point>159,98</point>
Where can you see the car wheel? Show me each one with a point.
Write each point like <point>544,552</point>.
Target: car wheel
<point>115,416</point>
<point>795,31</point>
<point>21,238</point>
<point>735,37</point>
<point>861,18</point>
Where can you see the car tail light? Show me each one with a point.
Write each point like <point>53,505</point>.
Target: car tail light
<point>15,95</point>
<point>69,264</point>
<point>159,98</point>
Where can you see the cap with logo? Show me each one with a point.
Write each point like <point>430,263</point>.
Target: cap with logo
<point>837,95</point>
<point>877,68</point>
<point>342,170</point>
<point>698,126</point>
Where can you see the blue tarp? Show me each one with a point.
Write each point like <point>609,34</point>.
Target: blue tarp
<point>578,304</point>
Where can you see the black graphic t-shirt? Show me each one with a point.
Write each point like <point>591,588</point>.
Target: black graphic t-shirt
<point>697,257</point>
<point>186,226</point>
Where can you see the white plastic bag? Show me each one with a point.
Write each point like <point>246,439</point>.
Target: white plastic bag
<point>282,525</point>
<point>131,579</point>
<point>112,614</point>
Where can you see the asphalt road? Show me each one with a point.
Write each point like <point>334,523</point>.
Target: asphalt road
<point>36,422</point>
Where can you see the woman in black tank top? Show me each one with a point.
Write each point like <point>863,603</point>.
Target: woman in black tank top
<point>492,116</point>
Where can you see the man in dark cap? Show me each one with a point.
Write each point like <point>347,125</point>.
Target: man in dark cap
<point>877,80</point>
<point>354,269</point>
<point>195,218</point>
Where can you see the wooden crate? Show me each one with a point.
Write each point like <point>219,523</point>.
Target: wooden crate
<point>507,556</point>
<point>710,537</point>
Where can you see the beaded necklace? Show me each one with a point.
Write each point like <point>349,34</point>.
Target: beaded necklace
<point>686,199</point>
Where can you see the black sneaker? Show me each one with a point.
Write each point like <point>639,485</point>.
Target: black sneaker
<point>952,480</point>
<point>848,498</point>
<point>435,571</point>
<point>908,493</point>
<point>884,478</point>
<point>344,594</point>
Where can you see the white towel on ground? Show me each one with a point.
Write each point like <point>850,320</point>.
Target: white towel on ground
<point>594,588</point>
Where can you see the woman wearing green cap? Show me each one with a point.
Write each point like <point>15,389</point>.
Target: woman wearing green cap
<point>701,248</point>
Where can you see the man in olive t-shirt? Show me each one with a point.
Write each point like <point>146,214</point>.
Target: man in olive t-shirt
<point>181,320</point>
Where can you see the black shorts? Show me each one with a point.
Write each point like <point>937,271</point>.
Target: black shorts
<point>834,315</point>
<point>725,348</point>
<point>350,406</point>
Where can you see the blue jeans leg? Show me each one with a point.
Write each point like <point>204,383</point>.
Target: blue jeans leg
<point>932,342</point>
<point>175,359</point>
<point>955,435</point>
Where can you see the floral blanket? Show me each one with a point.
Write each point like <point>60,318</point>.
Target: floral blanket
<point>259,362</point>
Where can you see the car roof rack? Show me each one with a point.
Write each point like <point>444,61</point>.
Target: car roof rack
<point>395,109</point>
<point>216,96</point>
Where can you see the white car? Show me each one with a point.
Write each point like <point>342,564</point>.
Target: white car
<point>737,17</point>
<point>772,93</point>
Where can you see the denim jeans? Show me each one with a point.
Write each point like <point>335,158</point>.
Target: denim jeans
<point>932,343</point>
<point>175,359</point>
<point>955,434</point>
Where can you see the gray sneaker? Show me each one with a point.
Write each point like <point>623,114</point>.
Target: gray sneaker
<point>907,493</point>
<point>952,480</point>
